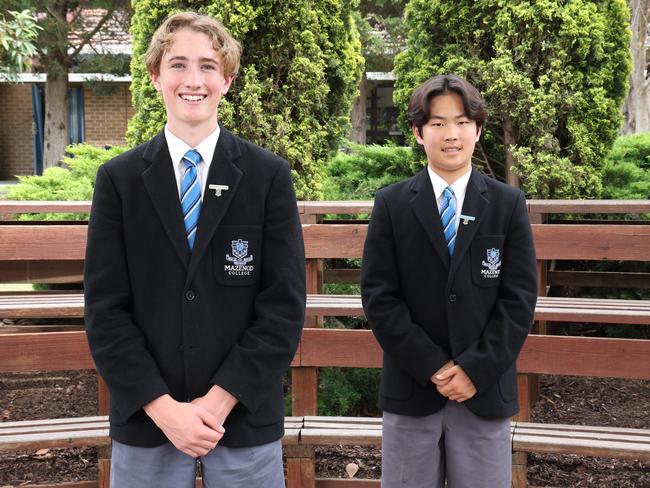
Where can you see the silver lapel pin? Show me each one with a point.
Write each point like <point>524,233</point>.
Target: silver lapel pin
<point>218,189</point>
<point>467,218</point>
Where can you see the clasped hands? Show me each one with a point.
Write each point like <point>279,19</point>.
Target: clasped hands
<point>453,383</point>
<point>194,428</point>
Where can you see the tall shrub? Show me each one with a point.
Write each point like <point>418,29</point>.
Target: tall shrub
<point>554,75</point>
<point>300,69</point>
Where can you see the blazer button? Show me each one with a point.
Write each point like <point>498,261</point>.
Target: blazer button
<point>190,295</point>
<point>452,297</point>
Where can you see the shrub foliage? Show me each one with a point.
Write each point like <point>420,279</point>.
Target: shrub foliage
<point>74,181</point>
<point>626,175</point>
<point>359,171</point>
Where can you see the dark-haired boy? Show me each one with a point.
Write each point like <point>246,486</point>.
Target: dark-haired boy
<point>449,287</point>
<point>195,282</point>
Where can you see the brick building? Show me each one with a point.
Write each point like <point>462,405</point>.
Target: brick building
<point>101,120</point>
<point>97,119</point>
<point>16,149</point>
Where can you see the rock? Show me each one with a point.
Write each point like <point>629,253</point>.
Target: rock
<point>352,469</point>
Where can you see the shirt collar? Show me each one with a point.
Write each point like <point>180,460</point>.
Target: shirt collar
<point>439,184</point>
<point>178,147</point>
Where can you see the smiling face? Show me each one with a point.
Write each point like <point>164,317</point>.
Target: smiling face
<point>191,80</point>
<point>448,137</point>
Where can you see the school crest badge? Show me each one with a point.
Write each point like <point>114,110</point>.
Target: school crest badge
<point>492,264</point>
<point>240,255</point>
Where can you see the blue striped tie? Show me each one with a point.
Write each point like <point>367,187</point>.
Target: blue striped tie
<point>448,218</point>
<point>191,195</point>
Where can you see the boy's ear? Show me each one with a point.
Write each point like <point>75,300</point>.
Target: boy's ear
<point>478,132</point>
<point>228,81</point>
<point>416,133</point>
<point>155,80</point>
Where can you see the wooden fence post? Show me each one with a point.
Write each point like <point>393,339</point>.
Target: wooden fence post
<point>301,460</point>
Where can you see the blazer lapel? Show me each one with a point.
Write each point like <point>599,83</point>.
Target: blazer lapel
<point>224,172</point>
<point>474,205</point>
<point>160,182</point>
<point>426,209</point>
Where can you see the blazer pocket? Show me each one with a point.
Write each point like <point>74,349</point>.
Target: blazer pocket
<point>237,254</point>
<point>486,258</point>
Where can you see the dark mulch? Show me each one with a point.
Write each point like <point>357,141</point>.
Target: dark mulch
<point>32,396</point>
<point>586,401</point>
<point>568,400</point>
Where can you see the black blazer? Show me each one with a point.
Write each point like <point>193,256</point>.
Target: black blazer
<point>425,308</point>
<point>161,320</point>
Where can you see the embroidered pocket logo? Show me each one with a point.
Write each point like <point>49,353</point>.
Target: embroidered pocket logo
<point>491,267</point>
<point>239,259</point>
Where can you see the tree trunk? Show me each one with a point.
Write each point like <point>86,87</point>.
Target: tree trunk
<point>358,116</point>
<point>56,119</point>
<point>510,140</point>
<point>637,104</point>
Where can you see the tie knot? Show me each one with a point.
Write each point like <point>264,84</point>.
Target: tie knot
<point>448,193</point>
<point>192,158</point>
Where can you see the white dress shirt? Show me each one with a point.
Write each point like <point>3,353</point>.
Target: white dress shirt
<point>459,187</point>
<point>178,148</point>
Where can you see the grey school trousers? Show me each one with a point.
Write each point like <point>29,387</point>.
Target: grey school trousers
<point>223,467</point>
<point>453,445</point>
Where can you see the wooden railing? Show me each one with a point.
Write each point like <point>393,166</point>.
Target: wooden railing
<point>58,250</point>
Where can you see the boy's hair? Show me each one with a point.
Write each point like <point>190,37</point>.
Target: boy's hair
<point>222,41</point>
<point>420,103</point>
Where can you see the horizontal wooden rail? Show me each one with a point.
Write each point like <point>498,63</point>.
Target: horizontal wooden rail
<point>12,207</point>
<point>68,242</point>
<point>42,271</point>
<point>556,309</point>
<point>8,208</point>
<point>51,351</point>
<point>55,433</point>
<point>585,356</point>
<point>85,431</point>
<point>336,207</point>
<point>342,276</point>
<point>552,241</point>
<point>572,356</point>
<point>592,242</point>
<point>607,279</point>
<point>361,206</point>
<point>588,206</point>
<point>593,310</point>
<point>44,351</point>
<point>42,306</point>
<point>587,440</point>
<point>42,242</point>
<point>325,241</point>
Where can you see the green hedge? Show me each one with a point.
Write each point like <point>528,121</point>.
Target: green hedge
<point>359,171</point>
<point>74,181</point>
